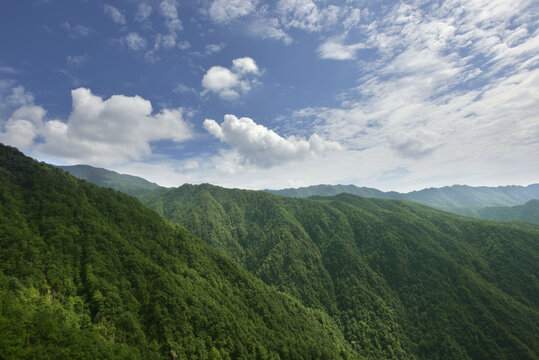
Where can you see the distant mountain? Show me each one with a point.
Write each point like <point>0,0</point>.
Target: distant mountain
<point>456,198</point>
<point>132,185</point>
<point>402,280</point>
<point>528,212</point>
<point>90,273</point>
<point>459,199</point>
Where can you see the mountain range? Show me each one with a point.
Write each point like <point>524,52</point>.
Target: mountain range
<point>491,203</point>
<point>205,272</point>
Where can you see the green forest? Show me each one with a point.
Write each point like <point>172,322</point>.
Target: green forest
<point>91,273</point>
<point>403,280</point>
<point>203,272</point>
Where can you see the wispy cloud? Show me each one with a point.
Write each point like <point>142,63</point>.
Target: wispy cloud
<point>77,60</point>
<point>76,31</point>
<point>335,49</point>
<point>445,83</point>
<point>114,14</point>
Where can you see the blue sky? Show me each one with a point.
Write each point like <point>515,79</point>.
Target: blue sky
<point>397,95</point>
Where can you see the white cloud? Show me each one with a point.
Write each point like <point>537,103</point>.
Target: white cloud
<point>334,49</point>
<point>450,97</point>
<point>260,146</point>
<point>352,19</point>
<point>172,22</point>
<point>269,28</point>
<point>98,131</point>
<point>19,97</point>
<point>225,11</point>
<point>135,42</point>
<point>229,84</point>
<point>114,14</point>
<point>221,81</point>
<point>245,65</point>
<point>214,48</point>
<point>184,45</point>
<point>143,12</point>
<point>22,127</point>
<point>306,15</point>
<point>170,13</point>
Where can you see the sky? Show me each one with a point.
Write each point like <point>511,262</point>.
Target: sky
<point>254,94</point>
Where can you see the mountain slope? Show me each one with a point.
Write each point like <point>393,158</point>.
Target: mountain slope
<point>528,212</point>
<point>131,185</point>
<point>456,198</point>
<point>87,273</point>
<point>404,280</point>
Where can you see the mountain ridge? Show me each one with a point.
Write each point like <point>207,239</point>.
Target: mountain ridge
<point>501,195</point>
<point>344,254</point>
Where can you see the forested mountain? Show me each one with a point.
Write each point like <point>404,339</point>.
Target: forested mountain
<point>129,184</point>
<point>528,212</point>
<point>463,200</point>
<point>456,198</point>
<point>91,273</point>
<point>403,280</point>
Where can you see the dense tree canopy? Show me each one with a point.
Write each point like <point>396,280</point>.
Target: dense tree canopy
<point>403,280</point>
<point>91,273</point>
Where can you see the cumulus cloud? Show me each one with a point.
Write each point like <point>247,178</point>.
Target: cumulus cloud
<point>260,146</point>
<point>114,14</point>
<point>230,83</point>
<point>334,49</point>
<point>225,11</point>
<point>135,42</point>
<point>22,127</point>
<point>97,131</point>
<point>245,65</point>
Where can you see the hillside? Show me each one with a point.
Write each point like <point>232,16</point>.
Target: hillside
<point>131,185</point>
<point>403,280</point>
<point>528,212</point>
<point>90,273</point>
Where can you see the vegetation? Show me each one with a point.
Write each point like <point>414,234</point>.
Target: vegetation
<point>402,280</point>
<point>480,202</point>
<point>528,212</point>
<point>87,272</point>
<point>91,273</point>
<point>128,184</point>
